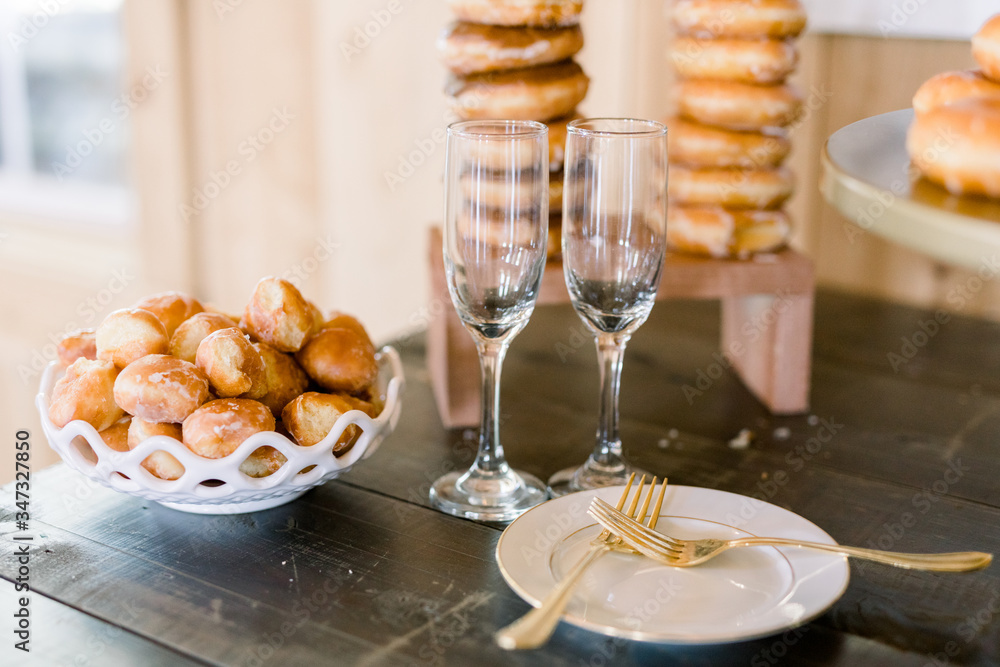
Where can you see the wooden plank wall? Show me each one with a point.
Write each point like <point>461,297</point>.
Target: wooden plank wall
<point>864,76</point>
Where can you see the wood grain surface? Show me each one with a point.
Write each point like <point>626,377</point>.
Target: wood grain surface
<point>362,571</point>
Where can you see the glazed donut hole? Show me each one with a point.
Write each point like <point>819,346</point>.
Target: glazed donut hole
<point>188,336</point>
<point>232,364</point>
<point>217,428</point>
<point>171,308</point>
<point>339,360</point>
<point>311,416</point>
<point>262,462</point>
<point>160,463</point>
<point>284,379</point>
<point>341,320</point>
<point>80,344</point>
<point>160,388</point>
<point>129,334</point>
<point>114,436</point>
<point>86,392</point>
<point>208,386</point>
<point>279,315</point>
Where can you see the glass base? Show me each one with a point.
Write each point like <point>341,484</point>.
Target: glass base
<point>483,497</point>
<point>592,476</point>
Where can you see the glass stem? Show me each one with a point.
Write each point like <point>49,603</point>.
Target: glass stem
<point>490,458</point>
<point>611,352</point>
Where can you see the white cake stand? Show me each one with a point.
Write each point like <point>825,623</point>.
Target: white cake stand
<point>867,176</point>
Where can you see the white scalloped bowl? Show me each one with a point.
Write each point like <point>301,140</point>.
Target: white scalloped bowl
<point>217,486</point>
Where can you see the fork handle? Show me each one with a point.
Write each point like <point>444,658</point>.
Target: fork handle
<point>534,628</point>
<point>959,561</point>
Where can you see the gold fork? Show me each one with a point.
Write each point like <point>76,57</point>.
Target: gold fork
<point>534,628</point>
<point>685,553</point>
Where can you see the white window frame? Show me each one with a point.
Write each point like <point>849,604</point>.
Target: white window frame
<point>26,193</point>
<point>915,19</point>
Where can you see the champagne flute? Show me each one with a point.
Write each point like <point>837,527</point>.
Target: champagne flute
<point>496,229</point>
<point>614,245</point>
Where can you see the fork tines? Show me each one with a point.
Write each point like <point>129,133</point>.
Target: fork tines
<point>634,529</point>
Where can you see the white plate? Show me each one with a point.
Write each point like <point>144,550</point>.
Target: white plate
<point>742,594</point>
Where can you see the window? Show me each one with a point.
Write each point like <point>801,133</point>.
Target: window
<point>64,130</point>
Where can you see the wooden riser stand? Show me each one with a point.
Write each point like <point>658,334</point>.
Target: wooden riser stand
<point>767,326</point>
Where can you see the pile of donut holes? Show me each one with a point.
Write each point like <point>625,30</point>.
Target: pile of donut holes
<point>729,139</point>
<point>513,60</point>
<point>955,137</point>
<point>172,366</point>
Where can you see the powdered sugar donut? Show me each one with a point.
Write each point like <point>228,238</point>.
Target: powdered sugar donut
<point>160,388</point>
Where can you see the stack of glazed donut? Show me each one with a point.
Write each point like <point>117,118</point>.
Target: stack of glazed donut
<point>955,137</point>
<point>728,142</point>
<point>169,366</point>
<point>513,60</point>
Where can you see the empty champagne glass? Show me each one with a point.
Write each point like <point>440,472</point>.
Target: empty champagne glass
<point>496,228</point>
<point>614,245</point>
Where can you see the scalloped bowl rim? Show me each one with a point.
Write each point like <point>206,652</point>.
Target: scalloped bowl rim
<point>122,471</point>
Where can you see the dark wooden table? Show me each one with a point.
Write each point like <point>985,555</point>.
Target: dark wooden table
<point>361,571</point>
